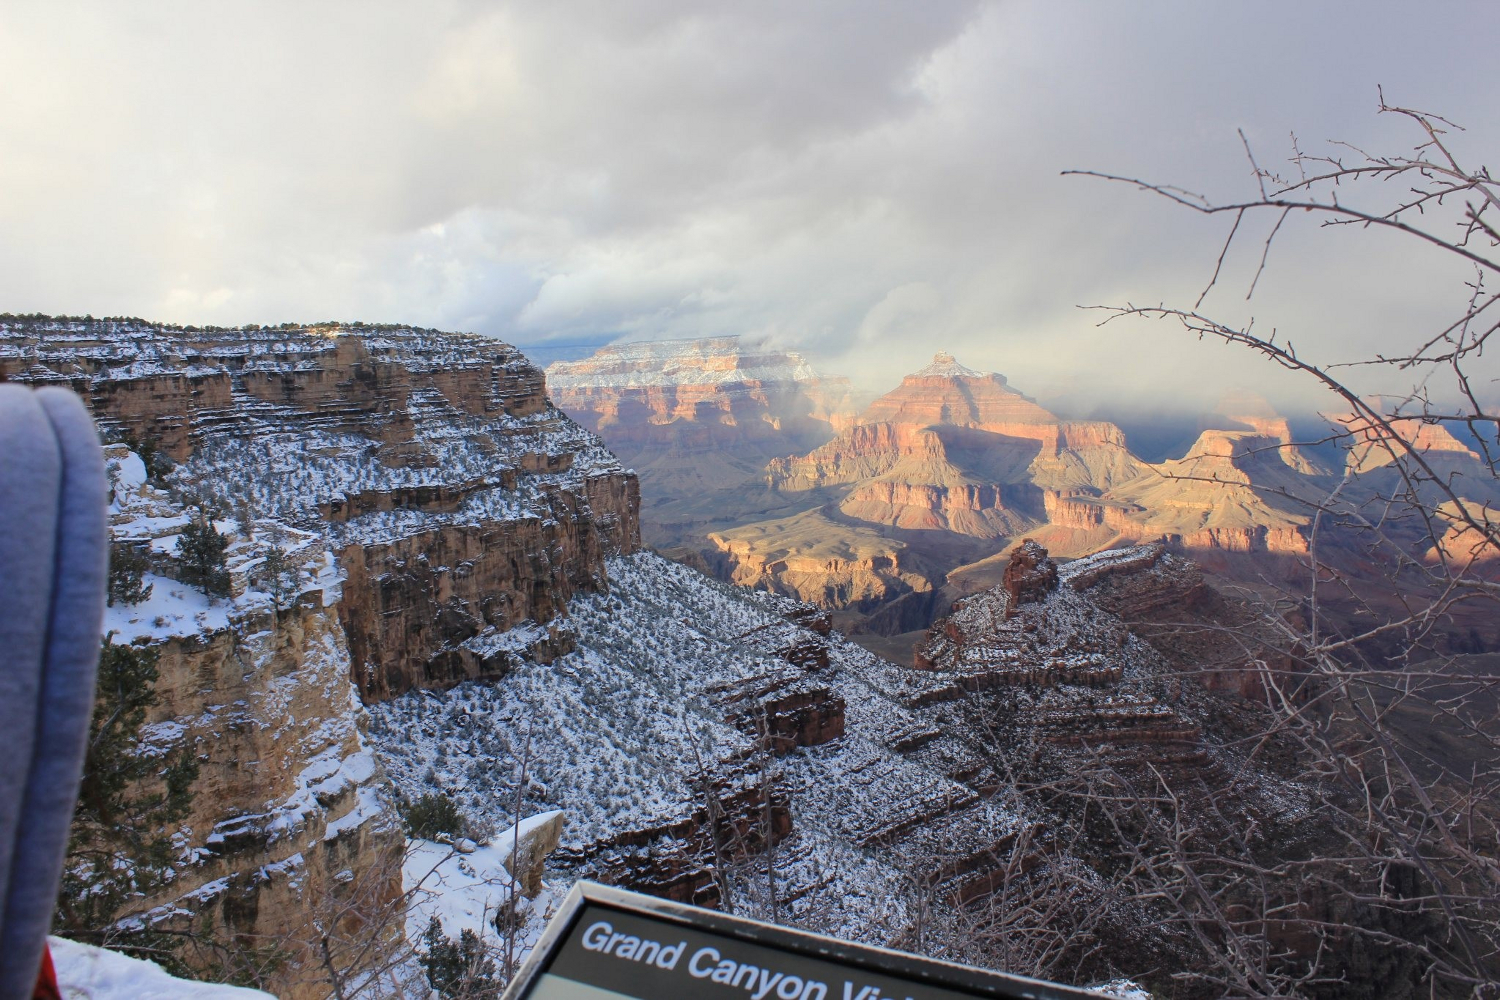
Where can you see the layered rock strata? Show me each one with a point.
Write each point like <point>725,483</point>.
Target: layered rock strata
<point>699,419</point>
<point>459,501</point>
<point>433,514</point>
<point>944,469</point>
<point>288,794</point>
<point>776,759</point>
<point>971,427</point>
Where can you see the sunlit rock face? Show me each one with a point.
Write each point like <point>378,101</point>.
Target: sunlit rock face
<point>698,419</point>
<point>943,470</point>
<point>947,424</point>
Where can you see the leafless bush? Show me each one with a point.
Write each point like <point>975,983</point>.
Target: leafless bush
<point>1390,712</point>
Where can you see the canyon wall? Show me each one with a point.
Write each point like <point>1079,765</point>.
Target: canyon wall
<point>942,471</point>
<point>432,515</point>
<point>398,445</point>
<point>258,690</point>
<point>698,420</point>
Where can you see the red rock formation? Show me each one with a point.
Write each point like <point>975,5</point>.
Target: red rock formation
<point>1029,576</point>
<point>915,424</point>
<point>698,418</point>
<point>1373,444</point>
<point>1246,410</point>
<point>950,452</point>
<point>1234,491</point>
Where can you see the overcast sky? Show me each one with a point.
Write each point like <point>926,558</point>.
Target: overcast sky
<point>868,181</point>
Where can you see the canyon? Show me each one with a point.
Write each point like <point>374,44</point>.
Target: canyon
<point>697,421</point>
<point>920,498</point>
<point>472,616</point>
<point>795,776</point>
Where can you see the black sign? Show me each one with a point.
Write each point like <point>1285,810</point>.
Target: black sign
<point>607,944</point>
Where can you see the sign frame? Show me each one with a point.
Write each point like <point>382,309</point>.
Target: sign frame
<point>592,897</point>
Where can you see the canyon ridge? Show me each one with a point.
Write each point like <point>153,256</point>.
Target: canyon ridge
<point>751,470</point>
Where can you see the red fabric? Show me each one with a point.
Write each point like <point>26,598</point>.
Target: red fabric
<point>46,980</point>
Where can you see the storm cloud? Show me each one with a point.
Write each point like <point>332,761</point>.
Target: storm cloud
<point>868,181</point>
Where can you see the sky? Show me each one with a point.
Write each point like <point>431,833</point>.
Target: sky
<point>866,181</point>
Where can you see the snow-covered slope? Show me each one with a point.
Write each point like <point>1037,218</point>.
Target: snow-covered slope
<point>648,728</point>
<point>88,973</point>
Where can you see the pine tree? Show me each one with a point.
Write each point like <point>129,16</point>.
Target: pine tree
<point>120,844</point>
<point>279,577</point>
<point>127,569</point>
<point>201,549</point>
<point>460,971</point>
<point>432,815</point>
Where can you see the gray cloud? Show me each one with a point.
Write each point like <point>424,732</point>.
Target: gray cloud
<point>869,181</point>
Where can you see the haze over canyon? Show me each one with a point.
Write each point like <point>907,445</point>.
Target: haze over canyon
<point>761,469</point>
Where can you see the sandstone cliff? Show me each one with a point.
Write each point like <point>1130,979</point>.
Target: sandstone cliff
<point>1372,445</point>
<point>460,502</point>
<point>433,515</point>
<point>943,470</point>
<point>288,794</point>
<point>1234,490</point>
<point>1011,437</point>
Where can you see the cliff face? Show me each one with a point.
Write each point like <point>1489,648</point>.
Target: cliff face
<point>799,557</point>
<point>288,793</point>
<point>699,419</point>
<point>633,394</point>
<point>948,415</point>
<point>458,499</point>
<point>1235,491</point>
<point>434,515</point>
<point>1373,446</point>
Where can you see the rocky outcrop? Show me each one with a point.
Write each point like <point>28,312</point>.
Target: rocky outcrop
<point>1085,664</point>
<point>434,515</point>
<point>288,793</point>
<point>1029,576</point>
<point>458,500</point>
<point>1234,491</point>
<point>1373,443</point>
<point>807,558</point>
<point>1011,439</point>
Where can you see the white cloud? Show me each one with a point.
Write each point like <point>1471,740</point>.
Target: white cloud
<point>863,178</point>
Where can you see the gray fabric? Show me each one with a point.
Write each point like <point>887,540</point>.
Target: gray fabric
<point>53,553</point>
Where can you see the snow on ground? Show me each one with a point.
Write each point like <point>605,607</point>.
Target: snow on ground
<point>88,973</point>
<point>613,734</point>
<point>466,891</point>
<point>1123,989</point>
<point>173,609</point>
